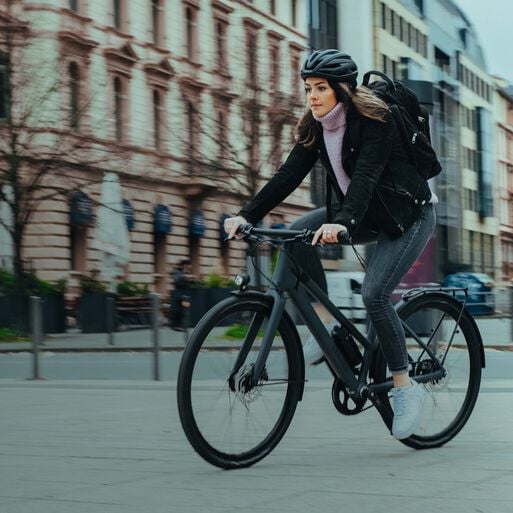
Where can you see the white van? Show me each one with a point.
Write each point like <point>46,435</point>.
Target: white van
<point>344,292</point>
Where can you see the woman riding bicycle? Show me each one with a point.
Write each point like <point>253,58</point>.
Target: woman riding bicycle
<point>354,135</point>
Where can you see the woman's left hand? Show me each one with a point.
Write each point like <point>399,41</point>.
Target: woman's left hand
<point>327,233</point>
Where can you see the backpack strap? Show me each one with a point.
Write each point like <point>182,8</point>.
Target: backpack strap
<point>386,78</point>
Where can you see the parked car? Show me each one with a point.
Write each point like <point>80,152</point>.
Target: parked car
<point>480,298</point>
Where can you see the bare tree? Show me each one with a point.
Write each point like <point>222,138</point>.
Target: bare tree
<point>43,153</point>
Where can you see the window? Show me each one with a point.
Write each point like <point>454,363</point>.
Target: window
<point>293,12</point>
<point>119,109</point>
<point>251,55</point>
<point>222,133</point>
<point>220,35</point>
<point>157,119</point>
<point>272,7</point>
<point>73,5</point>
<point>388,19</point>
<point>4,87</point>
<point>295,63</point>
<point>117,7</point>
<point>192,129</point>
<point>274,68</point>
<point>156,22</point>
<point>191,35</point>
<point>74,96</point>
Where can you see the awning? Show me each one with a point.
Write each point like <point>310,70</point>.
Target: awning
<point>197,224</point>
<point>128,209</point>
<point>162,219</point>
<point>81,211</point>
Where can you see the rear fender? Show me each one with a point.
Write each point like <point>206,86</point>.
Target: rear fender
<point>437,294</point>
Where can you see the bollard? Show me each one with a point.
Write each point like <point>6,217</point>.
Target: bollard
<point>155,315</point>
<point>186,305</point>
<point>36,314</point>
<point>511,313</point>
<point>111,311</point>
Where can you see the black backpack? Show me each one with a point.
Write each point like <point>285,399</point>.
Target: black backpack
<point>411,119</point>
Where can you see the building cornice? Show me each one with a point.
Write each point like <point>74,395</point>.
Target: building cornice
<point>121,60</point>
<point>220,6</point>
<point>78,41</point>
<point>159,73</point>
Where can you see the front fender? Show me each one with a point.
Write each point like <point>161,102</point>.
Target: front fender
<point>254,294</point>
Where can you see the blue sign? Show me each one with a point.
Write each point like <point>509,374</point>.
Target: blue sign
<point>162,219</point>
<point>197,224</point>
<point>81,212</point>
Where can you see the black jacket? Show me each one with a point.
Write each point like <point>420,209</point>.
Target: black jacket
<point>385,193</point>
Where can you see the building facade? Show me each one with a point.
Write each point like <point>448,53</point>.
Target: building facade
<point>192,103</point>
<point>503,101</point>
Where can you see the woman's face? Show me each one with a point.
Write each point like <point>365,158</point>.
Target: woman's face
<point>321,97</point>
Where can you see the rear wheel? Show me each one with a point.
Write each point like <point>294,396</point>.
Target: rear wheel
<point>228,421</point>
<point>438,322</point>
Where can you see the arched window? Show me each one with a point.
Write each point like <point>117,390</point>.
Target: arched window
<point>74,95</point>
<point>118,108</point>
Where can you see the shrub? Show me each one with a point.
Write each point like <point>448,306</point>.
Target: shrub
<point>130,288</point>
<point>91,283</point>
<point>216,280</point>
<point>33,286</point>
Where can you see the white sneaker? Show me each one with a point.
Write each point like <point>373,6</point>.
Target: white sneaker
<point>313,353</point>
<point>408,402</point>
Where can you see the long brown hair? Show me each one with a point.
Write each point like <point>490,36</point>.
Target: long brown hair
<point>307,131</point>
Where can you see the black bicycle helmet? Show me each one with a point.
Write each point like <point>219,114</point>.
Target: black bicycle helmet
<point>330,64</point>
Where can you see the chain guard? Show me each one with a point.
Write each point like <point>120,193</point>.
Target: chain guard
<point>348,405</point>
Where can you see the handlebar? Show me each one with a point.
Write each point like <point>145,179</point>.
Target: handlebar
<point>250,232</point>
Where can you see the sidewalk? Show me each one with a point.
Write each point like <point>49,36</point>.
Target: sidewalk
<point>496,333</point>
<point>107,447</point>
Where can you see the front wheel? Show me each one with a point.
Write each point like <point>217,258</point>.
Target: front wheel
<point>228,421</point>
<point>439,322</point>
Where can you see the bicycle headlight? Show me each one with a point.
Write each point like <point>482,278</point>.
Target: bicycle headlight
<point>241,280</point>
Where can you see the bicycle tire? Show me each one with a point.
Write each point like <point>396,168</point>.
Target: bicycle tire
<point>199,410</point>
<point>459,389</point>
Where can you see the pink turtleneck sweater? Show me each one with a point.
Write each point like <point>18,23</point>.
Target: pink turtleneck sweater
<point>334,127</point>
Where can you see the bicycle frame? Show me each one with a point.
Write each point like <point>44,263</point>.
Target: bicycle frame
<point>286,280</point>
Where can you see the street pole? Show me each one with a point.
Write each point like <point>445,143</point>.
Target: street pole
<point>155,315</point>
<point>36,312</point>
<point>110,319</point>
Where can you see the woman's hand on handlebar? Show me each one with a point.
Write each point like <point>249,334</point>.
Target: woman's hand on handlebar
<point>328,234</point>
<point>232,224</point>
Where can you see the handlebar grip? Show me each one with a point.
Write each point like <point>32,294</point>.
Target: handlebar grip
<point>343,237</point>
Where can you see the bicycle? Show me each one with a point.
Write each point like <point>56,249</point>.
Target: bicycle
<point>242,372</point>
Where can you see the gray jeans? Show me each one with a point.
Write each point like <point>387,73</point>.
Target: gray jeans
<point>390,261</point>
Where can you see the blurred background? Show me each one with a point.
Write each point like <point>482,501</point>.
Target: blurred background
<point>129,130</point>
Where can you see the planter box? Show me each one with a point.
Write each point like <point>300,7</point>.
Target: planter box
<point>16,315</point>
<point>92,312</point>
<point>202,300</point>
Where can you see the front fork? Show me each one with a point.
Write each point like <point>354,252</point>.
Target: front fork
<point>267,340</point>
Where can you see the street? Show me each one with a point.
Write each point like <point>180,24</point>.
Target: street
<point>98,435</point>
<point>124,365</point>
<point>117,446</point>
